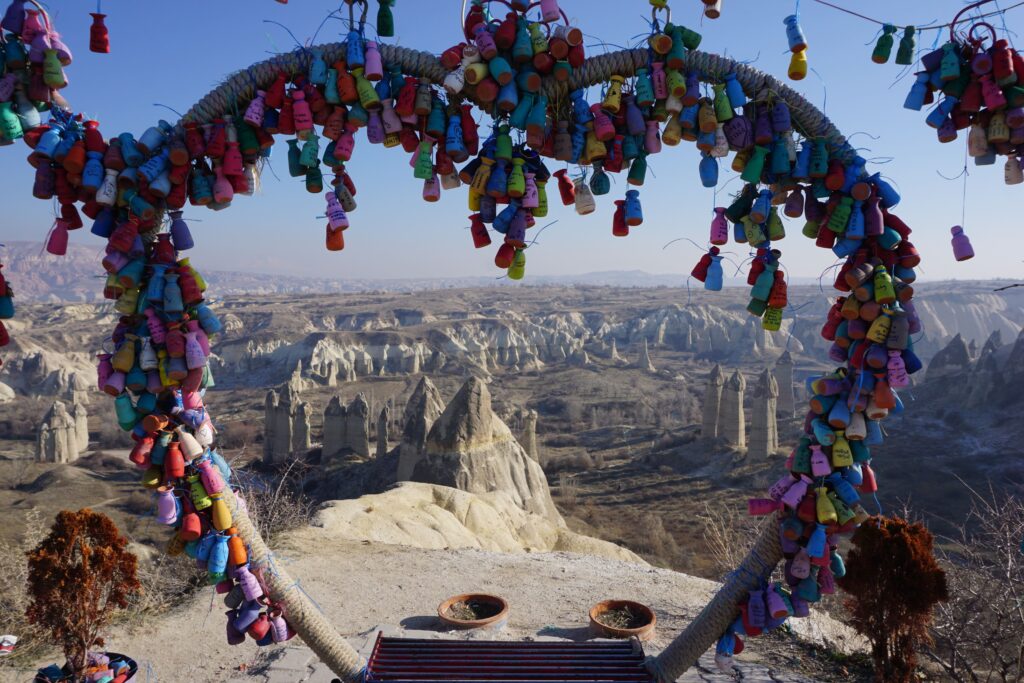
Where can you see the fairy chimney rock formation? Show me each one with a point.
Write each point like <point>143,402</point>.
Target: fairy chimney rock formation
<point>301,440</point>
<point>277,429</point>
<point>424,407</point>
<point>614,355</point>
<point>953,359</point>
<point>530,434</point>
<point>644,362</point>
<point>992,344</point>
<point>764,429</point>
<point>784,378</point>
<point>285,425</point>
<point>334,427</point>
<point>383,425</point>
<point>471,449</point>
<point>712,403</point>
<point>732,420</point>
<point>58,439</point>
<point>81,418</point>
<point>357,426</point>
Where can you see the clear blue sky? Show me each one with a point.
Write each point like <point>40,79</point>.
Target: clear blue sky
<point>175,54</point>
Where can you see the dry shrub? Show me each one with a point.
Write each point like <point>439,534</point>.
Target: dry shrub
<point>577,461</point>
<point>110,435</point>
<point>139,503</point>
<point>14,599</point>
<point>239,435</point>
<point>655,543</point>
<point>275,500</point>
<point>568,490</point>
<point>167,582</point>
<point>894,581</point>
<point>562,441</point>
<point>979,633</point>
<point>79,576</point>
<point>728,536</point>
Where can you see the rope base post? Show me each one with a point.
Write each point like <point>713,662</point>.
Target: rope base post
<point>305,619</point>
<point>683,652</point>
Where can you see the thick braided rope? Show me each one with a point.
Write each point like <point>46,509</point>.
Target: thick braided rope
<point>717,615</point>
<point>235,93</point>
<point>304,618</point>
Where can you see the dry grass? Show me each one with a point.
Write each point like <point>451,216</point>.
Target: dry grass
<point>568,490</point>
<point>728,536</point>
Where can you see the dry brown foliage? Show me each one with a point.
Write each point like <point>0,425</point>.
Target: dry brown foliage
<point>78,577</point>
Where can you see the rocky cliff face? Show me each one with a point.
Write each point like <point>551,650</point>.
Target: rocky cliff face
<point>471,449</point>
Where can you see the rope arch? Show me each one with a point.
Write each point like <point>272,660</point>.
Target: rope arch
<point>597,69</point>
<point>684,651</point>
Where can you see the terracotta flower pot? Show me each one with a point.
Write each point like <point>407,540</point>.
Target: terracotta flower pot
<point>641,620</point>
<point>474,610</point>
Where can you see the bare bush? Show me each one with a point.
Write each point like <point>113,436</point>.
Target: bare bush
<point>167,581</point>
<point>654,541</point>
<point>275,501</point>
<point>568,490</point>
<point>14,599</point>
<point>239,435</point>
<point>110,435</point>
<point>728,536</point>
<point>979,634</point>
<point>139,503</point>
<point>577,461</point>
<point>562,441</point>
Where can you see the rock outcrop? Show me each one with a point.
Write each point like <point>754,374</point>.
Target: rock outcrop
<point>784,378</point>
<point>530,434</point>
<point>471,449</point>
<point>953,359</point>
<point>383,427</point>
<point>432,516</point>
<point>613,354</point>
<point>732,419</point>
<point>712,403</point>
<point>285,425</point>
<point>357,426</point>
<point>423,408</point>
<point>334,427</point>
<point>81,418</point>
<point>58,439</point>
<point>764,429</point>
<point>644,361</point>
<point>347,428</point>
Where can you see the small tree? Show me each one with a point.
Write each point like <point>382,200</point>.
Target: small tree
<point>78,576</point>
<point>894,582</point>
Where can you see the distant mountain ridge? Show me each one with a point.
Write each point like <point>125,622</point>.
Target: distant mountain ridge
<point>77,277</point>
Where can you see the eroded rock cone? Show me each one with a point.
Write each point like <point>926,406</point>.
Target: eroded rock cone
<point>530,435</point>
<point>712,403</point>
<point>644,362</point>
<point>732,419</point>
<point>470,448</point>
<point>764,428</point>
<point>383,425</point>
<point>424,407</point>
<point>784,378</point>
<point>953,359</point>
<point>58,439</point>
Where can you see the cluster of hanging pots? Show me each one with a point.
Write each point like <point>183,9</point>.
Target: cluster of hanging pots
<point>979,89</point>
